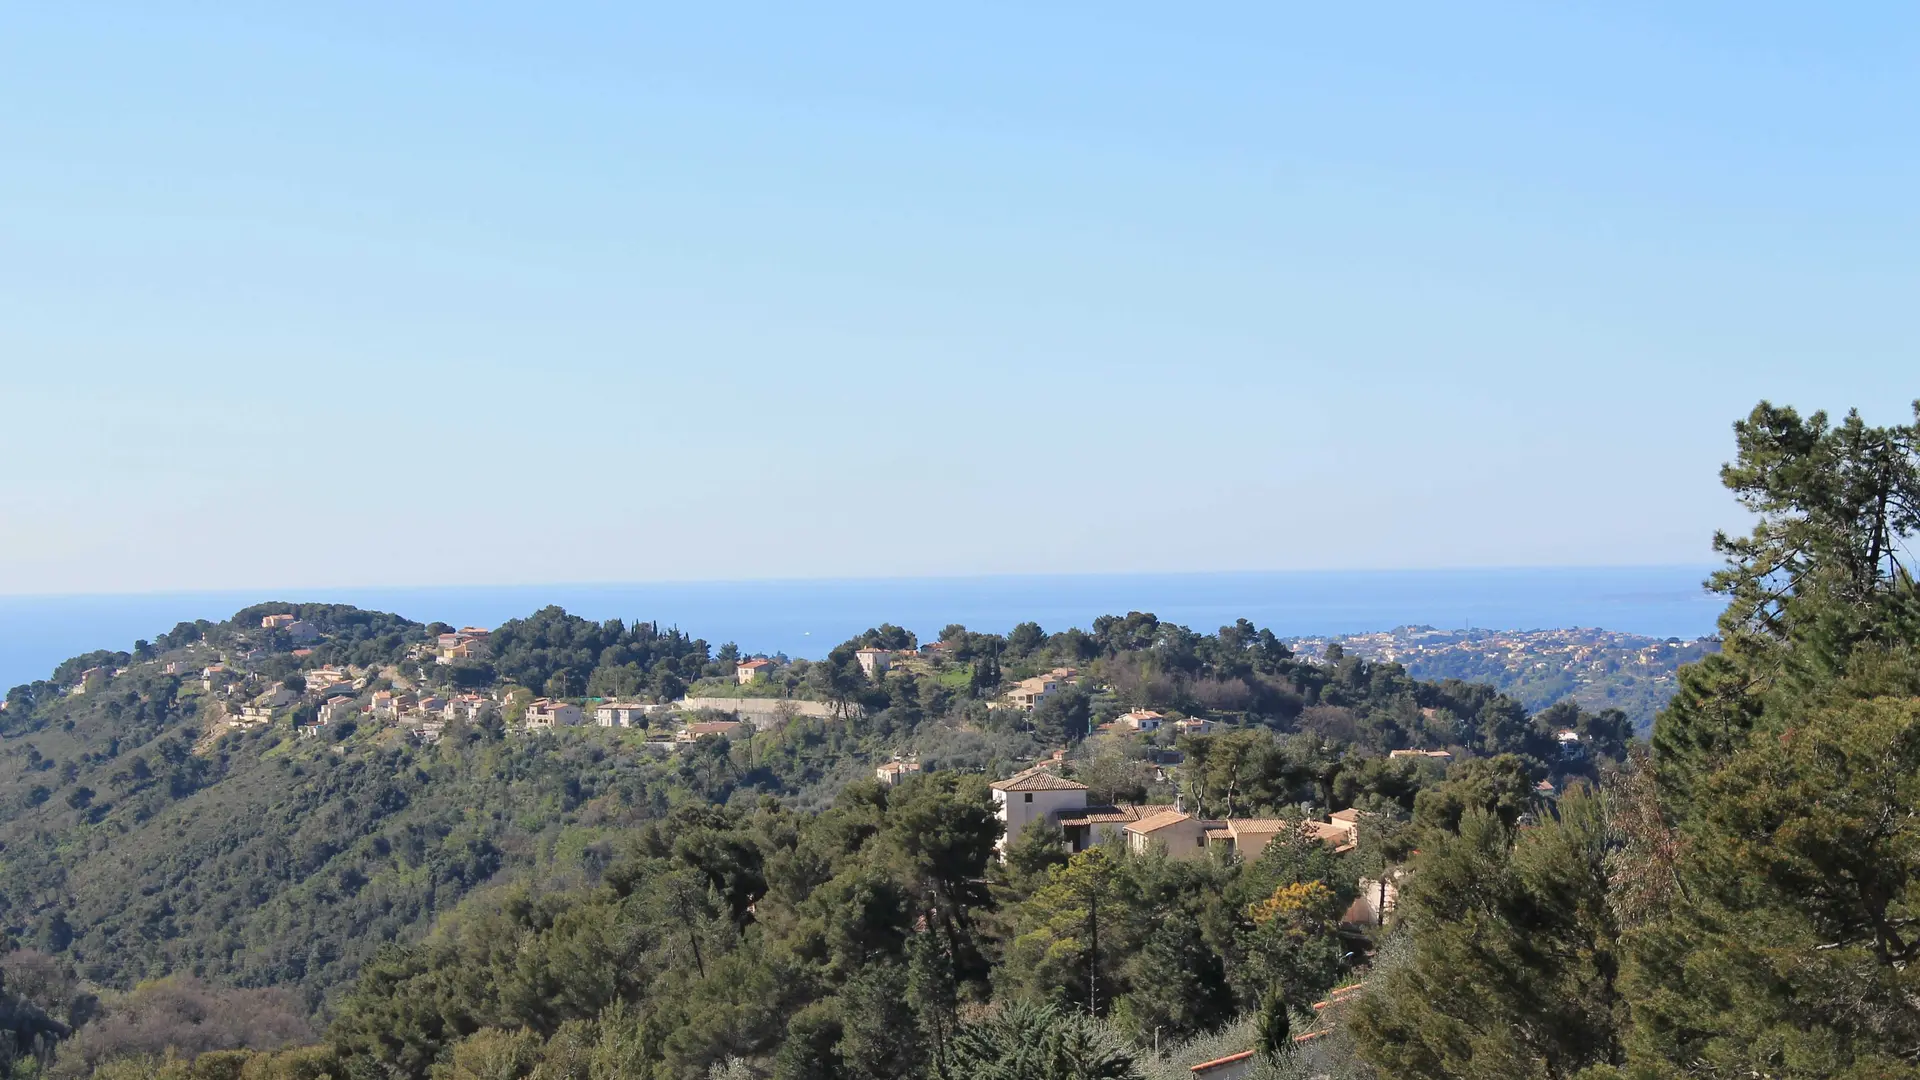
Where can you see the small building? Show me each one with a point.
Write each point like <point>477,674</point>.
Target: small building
<point>752,671</point>
<point>277,622</point>
<point>893,772</point>
<point>545,715</point>
<point>874,661</point>
<point>336,708</point>
<point>1028,693</point>
<point>1034,795</point>
<point>696,732</point>
<point>431,705</point>
<point>463,707</point>
<point>1182,835</point>
<point>621,714</point>
<point>302,631</point>
<point>1193,726</point>
<point>430,732</point>
<point>1248,837</point>
<point>1141,720</point>
<point>93,675</point>
<point>1348,821</point>
<point>276,698</point>
<point>1571,748</point>
<point>1442,756</point>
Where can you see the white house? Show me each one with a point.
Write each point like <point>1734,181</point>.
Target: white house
<point>464,707</point>
<point>874,661</point>
<point>895,771</point>
<point>1034,795</point>
<point>336,708</point>
<point>751,671</point>
<point>621,714</point>
<point>1142,720</point>
<point>1571,748</point>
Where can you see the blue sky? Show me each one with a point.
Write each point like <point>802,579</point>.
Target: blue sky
<point>445,293</point>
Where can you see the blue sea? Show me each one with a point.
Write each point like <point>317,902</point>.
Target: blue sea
<point>805,618</point>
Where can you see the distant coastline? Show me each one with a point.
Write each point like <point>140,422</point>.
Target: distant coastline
<point>805,617</point>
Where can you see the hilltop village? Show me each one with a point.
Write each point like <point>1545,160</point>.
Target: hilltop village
<point>282,671</point>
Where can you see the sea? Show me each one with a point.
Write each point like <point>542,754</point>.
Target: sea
<point>806,618</point>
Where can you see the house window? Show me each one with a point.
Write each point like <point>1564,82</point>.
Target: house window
<point>1028,797</point>
<point>1199,841</point>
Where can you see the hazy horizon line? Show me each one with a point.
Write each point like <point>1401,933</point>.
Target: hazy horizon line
<point>1518,568</point>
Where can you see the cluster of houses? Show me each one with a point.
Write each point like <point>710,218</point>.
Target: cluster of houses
<point>1041,795</point>
<point>295,628</point>
<point>1148,721</point>
<point>546,714</point>
<point>466,643</point>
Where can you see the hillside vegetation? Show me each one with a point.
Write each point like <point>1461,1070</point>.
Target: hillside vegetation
<point>256,872</point>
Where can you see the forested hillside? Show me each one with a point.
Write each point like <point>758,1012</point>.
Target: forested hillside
<point>152,830</point>
<point>1332,867</point>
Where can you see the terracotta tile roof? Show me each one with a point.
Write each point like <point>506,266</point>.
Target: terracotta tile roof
<point>752,664</point>
<point>1156,822</point>
<point>1350,815</point>
<point>1257,825</point>
<point>1328,832</point>
<point>1206,1067</point>
<point>1037,779</point>
<point>1099,815</point>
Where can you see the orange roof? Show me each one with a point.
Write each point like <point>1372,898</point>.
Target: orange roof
<point>1257,825</point>
<point>1208,1066</point>
<point>753,663</point>
<point>1036,779</point>
<point>1099,815</point>
<point>1156,822</point>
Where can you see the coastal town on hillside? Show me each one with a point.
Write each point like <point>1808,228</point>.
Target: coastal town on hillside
<point>1595,668</point>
